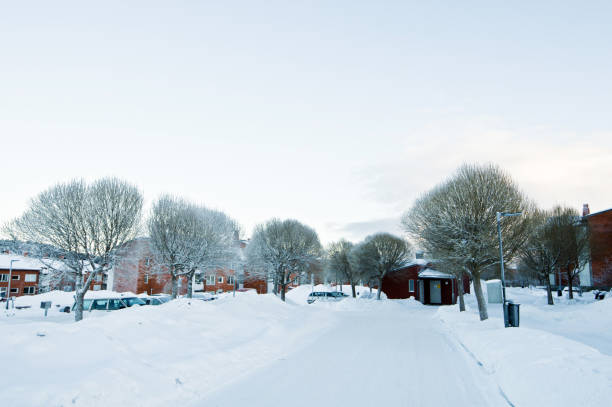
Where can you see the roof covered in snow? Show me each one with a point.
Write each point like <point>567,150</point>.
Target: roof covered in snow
<point>414,262</point>
<point>431,273</point>
<point>22,263</point>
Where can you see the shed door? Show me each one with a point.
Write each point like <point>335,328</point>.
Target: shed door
<point>435,292</point>
<point>421,292</point>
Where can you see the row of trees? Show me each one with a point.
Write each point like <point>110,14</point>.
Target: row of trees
<point>369,261</point>
<point>85,227</point>
<point>455,223</point>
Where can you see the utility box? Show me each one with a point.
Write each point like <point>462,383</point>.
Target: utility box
<point>494,291</point>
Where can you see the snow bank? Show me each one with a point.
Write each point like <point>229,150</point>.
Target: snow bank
<point>154,356</point>
<point>543,362</point>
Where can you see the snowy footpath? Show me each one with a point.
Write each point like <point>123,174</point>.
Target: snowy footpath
<point>257,351</point>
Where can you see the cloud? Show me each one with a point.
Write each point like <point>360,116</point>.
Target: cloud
<point>550,166</point>
<point>356,231</point>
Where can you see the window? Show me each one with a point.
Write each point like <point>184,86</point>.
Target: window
<point>14,290</point>
<point>29,290</point>
<point>146,279</point>
<point>99,305</point>
<point>4,277</point>
<point>2,292</point>
<point>15,276</point>
<point>411,286</point>
<point>230,280</point>
<point>98,277</point>
<point>30,278</point>
<point>147,261</point>
<point>97,287</point>
<point>210,280</point>
<point>220,279</point>
<point>67,288</point>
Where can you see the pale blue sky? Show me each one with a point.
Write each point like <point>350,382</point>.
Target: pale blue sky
<point>337,113</point>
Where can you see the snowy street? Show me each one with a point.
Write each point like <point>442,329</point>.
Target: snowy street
<point>398,357</point>
<point>258,351</point>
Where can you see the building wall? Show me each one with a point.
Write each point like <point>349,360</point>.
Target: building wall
<point>397,283</point>
<point>600,242</point>
<point>18,285</point>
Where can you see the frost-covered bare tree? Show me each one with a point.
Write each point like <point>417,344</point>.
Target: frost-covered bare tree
<point>456,221</point>
<point>187,237</point>
<point>570,235</point>
<point>541,253</point>
<point>85,223</point>
<point>338,261</point>
<point>284,249</point>
<point>378,254</point>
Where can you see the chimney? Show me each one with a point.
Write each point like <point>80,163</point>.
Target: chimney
<point>585,210</point>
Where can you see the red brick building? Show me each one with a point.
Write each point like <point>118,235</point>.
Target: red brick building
<point>135,271</point>
<point>600,248</point>
<point>417,279</point>
<point>24,277</point>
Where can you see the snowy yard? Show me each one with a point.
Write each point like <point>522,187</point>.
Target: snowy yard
<point>257,351</point>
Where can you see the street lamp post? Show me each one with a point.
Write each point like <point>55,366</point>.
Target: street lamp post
<point>10,277</point>
<point>499,216</point>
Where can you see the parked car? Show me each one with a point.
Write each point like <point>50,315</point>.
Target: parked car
<point>155,300</point>
<point>204,296</point>
<point>325,296</point>
<point>109,303</point>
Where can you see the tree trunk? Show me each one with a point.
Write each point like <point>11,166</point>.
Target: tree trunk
<point>353,289</point>
<point>549,292</point>
<point>570,283</point>
<point>190,284</point>
<point>174,286</point>
<point>276,284</point>
<point>460,290</point>
<point>283,288</point>
<point>482,305</point>
<point>379,288</point>
<point>78,298</point>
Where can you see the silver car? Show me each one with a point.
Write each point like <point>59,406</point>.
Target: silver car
<point>325,296</point>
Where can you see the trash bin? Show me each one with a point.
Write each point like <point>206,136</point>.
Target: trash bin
<point>511,314</point>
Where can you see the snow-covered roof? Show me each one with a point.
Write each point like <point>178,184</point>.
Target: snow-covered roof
<point>24,263</point>
<point>33,263</point>
<point>431,273</point>
<point>414,262</point>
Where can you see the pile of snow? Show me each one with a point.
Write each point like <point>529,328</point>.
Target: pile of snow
<point>150,355</point>
<point>57,298</point>
<point>555,349</point>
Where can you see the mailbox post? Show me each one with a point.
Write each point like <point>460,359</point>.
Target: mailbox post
<point>45,305</point>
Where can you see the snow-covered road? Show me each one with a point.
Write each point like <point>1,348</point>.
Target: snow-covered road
<point>254,350</point>
<point>401,358</point>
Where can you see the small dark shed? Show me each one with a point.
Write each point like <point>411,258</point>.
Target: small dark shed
<point>417,279</point>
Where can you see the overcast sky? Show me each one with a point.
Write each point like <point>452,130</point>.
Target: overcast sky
<point>335,113</point>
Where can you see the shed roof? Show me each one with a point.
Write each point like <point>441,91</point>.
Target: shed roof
<point>431,273</point>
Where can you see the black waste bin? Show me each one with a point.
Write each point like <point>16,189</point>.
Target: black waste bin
<point>513,314</point>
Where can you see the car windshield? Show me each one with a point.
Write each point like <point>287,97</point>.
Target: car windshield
<point>86,305</point>
<point>99,304</point>
<point>115,304</point>
<point>133,301</point>
<point>163,299</point>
